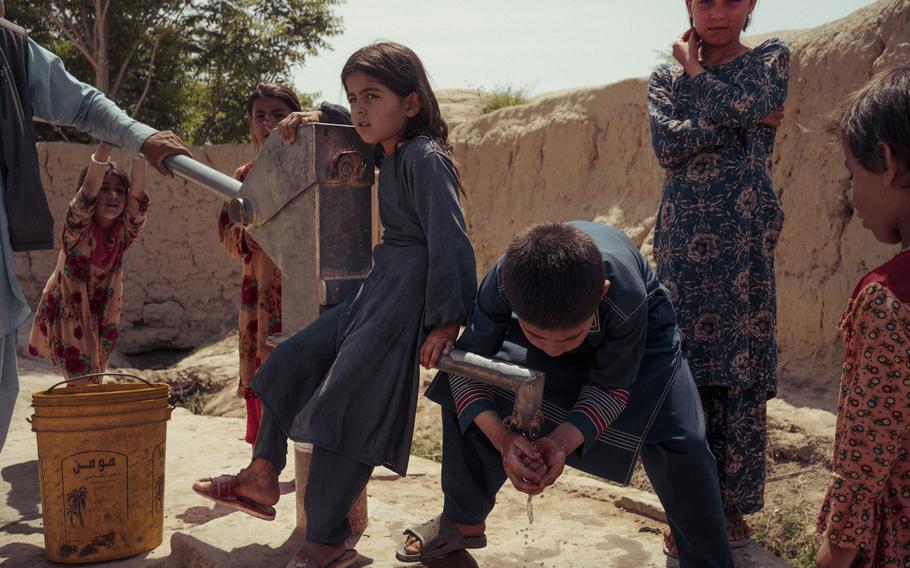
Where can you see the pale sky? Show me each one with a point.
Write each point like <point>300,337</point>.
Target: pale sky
<point>539,45</point>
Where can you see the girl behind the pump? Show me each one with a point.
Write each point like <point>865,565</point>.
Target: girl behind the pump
<point>76,324</point>
<point>268,106</point>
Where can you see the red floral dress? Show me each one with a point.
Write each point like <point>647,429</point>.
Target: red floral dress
<point>867,506</point>
<point>260,306</point>
<point>76,322</point>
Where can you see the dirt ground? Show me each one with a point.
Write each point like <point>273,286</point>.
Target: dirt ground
<point>799,442</point>
<point>200,535</point>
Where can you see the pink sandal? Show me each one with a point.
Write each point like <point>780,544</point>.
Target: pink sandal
<point>670,544</point>
<point>223,490</point>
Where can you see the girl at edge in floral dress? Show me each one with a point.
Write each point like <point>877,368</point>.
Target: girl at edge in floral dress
<point>714,119</point>
<point>76,322</point>
<point>865,516</point>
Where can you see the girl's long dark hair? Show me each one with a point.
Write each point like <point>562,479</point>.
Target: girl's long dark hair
<point>273,91</point>
<point>398,68</point>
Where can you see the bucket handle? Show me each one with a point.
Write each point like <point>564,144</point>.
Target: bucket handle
<point>64,381</point>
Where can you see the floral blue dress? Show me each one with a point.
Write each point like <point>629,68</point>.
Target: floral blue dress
<point>714,241</point>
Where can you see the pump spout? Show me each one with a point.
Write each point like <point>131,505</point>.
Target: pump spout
<point>527,384</point>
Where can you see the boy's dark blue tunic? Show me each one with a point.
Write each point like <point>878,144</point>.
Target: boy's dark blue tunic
<point>610,387</point>
<point>627,388</point>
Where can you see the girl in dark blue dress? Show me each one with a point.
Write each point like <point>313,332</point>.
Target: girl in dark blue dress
<point>713,123</point>
<point>348,382</point>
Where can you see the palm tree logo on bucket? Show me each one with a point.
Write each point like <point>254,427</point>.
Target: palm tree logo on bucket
<point>75,505</point>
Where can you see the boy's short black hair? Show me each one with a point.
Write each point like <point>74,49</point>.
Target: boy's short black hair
<point>553,275</point>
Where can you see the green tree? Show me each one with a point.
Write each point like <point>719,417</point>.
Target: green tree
<point>182,64</point>
<point>240,43</point>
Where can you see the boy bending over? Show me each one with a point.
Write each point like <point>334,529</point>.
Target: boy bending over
<point>580,303</point>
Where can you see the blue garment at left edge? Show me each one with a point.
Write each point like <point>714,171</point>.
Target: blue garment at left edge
<point>59,98</point>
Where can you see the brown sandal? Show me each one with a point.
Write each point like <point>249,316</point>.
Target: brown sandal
<point>437,537</point>
<point>223,490</point>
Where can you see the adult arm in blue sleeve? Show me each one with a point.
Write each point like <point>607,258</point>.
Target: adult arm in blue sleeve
<point>59,98</point>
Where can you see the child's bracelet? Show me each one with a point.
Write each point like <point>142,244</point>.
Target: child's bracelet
<point>95,161</point>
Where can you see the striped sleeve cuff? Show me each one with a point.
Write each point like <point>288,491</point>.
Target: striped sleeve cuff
<point>596,408</point>
<point>471,398</point>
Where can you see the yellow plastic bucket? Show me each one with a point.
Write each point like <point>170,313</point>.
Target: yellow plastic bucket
<point>101,455</point>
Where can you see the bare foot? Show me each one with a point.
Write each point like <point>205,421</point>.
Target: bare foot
<point>412,544</point>
<point>737,528</point>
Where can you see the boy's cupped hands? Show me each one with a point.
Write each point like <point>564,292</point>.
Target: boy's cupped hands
<point>532,467</point>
